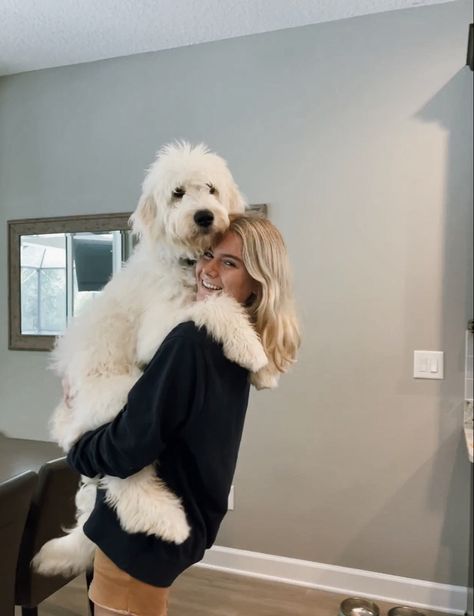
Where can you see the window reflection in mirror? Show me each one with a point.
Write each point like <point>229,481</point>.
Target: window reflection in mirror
<point>43,283</point>
<point>61,272</point>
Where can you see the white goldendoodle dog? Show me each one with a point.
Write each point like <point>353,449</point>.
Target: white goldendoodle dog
<point>188,195</point>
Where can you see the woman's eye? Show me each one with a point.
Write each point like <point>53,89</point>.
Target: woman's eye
<point>229,263</point>
<point>212,189</point>
<point>178,193</point>
<point>207,255</point>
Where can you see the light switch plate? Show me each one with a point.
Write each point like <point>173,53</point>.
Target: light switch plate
<point>428,365</point>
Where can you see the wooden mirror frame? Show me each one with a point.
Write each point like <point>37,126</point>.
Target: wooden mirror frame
<point>36,226</point>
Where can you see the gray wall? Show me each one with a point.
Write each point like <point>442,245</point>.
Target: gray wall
<point>358,133</point>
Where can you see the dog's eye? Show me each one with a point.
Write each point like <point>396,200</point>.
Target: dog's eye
<point>212,189</point>
<point>178,193</point>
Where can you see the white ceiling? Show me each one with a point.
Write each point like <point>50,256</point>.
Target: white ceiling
<point>37,34</point>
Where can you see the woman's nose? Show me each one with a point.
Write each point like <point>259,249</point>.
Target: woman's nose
<point>209,268</point>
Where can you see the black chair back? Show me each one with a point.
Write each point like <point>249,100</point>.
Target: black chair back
<point>52,510</point>
<point>15,499</point>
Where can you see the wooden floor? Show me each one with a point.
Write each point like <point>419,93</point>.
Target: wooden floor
<point>201,592</point>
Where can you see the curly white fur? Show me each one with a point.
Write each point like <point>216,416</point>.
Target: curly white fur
<point>101,352</point>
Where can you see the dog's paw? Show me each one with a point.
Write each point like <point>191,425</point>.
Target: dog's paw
<point>266,378</point>
<point>66,556</point>
<point>244,348</point>
<point>174,530</point>
<point>170,525</point>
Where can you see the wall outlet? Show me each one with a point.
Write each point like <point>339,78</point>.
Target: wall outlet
<point>428,365</point>
<point>230,502</point>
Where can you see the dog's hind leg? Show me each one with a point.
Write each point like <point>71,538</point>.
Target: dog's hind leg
<point>144,504</point>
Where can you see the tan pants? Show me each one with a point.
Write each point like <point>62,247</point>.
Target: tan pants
<point>119,592</point>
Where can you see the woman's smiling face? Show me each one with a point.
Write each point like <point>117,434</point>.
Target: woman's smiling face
<point>221,269</point>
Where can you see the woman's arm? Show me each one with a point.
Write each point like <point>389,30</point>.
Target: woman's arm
<point>158,405</point>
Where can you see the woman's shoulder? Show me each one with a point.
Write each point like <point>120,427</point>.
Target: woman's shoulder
<point>189,331</point>
<point>185,345</point>
<point>195,339</point>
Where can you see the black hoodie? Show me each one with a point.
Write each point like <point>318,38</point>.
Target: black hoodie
<point>187,412</point>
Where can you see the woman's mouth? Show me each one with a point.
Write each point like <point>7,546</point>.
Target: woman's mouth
<point>209,286</point>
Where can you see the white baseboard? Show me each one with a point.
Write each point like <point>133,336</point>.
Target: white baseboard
<point>348,582</point>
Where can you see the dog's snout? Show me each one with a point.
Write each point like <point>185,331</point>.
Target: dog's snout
<point>204,218</point>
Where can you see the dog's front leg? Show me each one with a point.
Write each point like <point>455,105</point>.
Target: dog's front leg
<point>227,322</point>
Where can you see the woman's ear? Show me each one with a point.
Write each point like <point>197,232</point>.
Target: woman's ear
<point>250,300</point>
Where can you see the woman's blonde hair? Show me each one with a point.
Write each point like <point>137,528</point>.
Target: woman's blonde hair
<point>272,312</point>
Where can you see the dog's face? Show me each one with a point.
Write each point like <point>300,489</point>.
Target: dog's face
<point>188,196</point>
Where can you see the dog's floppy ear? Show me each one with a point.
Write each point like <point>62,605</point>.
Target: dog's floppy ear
<point>144,215</point>
<point>237,203</point>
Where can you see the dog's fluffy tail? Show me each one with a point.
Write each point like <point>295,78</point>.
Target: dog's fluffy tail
<point>67,556</point>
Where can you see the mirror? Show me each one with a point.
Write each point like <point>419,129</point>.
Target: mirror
<point>56,266</point>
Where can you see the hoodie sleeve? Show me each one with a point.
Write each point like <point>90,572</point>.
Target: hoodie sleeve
<point>159,405</point>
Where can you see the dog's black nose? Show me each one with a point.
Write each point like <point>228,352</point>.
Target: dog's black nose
<point>204,218</point>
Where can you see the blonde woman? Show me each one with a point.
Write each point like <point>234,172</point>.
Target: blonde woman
<point>188,411</point>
